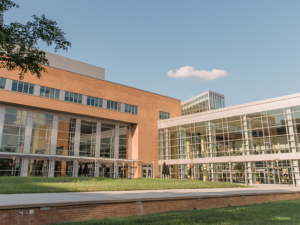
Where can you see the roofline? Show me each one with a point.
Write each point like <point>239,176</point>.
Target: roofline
<point>114,83</point>
<point>206,92</point>
<point>163,123</point>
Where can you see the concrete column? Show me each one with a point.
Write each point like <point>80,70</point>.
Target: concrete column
<point>51,167</point>
<point>24,167</point>
<point>75,168</point>
<point>115,165</point>
<point>77,137</point>
<point>98,139</point>
<point>230,170</point>
<point>295,165</point>
<point>54,135</point>
<point>28,131</point>
<point>8,84</point>
<point>116,152</point>
<point>96,174</point>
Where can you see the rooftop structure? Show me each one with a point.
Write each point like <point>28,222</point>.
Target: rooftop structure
<point>206,101</point>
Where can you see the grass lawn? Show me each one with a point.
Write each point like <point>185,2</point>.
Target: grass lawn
<point>14,185</point>
<point>283,212</point>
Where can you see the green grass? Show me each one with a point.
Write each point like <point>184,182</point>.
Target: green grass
<point>14,185</point>
<point>283,212</point>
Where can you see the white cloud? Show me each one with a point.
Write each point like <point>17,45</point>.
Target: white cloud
<point>190,72</point>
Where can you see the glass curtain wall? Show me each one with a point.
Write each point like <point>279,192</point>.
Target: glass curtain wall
<point>87,138</point>
<point>123,142</point>
<point>216,102</point>
<point>13,134</point>
<point>107,140</point>
<point>282,172</point>
<point>65,136</point>
<point>197,105</point>
<point>41,133</point>
<point>267,132</point>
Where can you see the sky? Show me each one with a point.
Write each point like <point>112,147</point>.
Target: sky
<point>245,50</point>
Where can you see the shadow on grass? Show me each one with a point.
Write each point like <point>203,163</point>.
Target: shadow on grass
<point>283,212</point>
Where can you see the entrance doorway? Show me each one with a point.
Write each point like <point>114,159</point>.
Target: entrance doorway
<point>147,171</point>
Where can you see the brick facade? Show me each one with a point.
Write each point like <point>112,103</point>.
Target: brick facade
<point>57,214</point>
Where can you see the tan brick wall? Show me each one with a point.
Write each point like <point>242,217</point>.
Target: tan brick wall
<point>98,211</point>
<point>145,142</point>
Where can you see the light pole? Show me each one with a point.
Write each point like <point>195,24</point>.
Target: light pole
<point>153,169</point>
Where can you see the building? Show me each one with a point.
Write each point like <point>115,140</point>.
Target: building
<point>75,123</point>
<point>258,142</point>
<point>72,122</point>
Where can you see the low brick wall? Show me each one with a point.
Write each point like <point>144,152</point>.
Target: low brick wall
<point>56,214</point>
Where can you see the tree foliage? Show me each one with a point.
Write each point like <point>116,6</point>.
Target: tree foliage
<point>18,42</point>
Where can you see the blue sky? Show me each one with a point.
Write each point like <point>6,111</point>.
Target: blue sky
<point>256,44</point>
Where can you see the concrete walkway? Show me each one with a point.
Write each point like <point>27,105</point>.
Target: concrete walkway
<point>10,201</point>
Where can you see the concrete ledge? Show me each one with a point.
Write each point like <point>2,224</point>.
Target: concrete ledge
<point>87,210</point>
<point>110,201</point>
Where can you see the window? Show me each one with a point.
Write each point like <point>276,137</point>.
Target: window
<point>131,109</point>
<point>107,140</point>
<point>164,115</point>
<point>87,138</point>
<point>65,136</point>
<point>13,131</point>
<point>113,105</point>
<point>22,87</point>
<point>92,101</point>
<point>41,133</point>
<point>73,97</point>
<point>123,142</point>
<point>2,83</point>
<point>49,92</point>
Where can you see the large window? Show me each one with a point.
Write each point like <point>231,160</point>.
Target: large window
<point>38,168</point>
<point>266,132</point>
<point>107,140</point>
<point>63,169</point>
<point>73,97</point>
<point>41,133</point>
<point>87,138</point>
<point>65,136</point>
<point>113,105</point>
<point>22,87</point>
<point>123,142</point>
<point>49,92</point>
<point>164,115</point>
<point>13,131</point>
<point>2,82</point>
<point>92,101</point>
<point>131,109</point>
